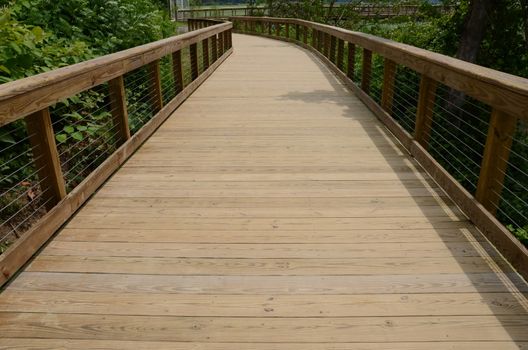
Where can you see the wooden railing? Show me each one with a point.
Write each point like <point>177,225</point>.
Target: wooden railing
<point>373,10</point>
<point>155,91</point>
<point>414,112</point>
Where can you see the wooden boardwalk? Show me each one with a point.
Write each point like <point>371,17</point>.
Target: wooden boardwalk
<point>272,211</point>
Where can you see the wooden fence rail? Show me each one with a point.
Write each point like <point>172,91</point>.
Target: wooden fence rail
<point>372,10</point>
<point>30,99</point>
<point>507,95</point>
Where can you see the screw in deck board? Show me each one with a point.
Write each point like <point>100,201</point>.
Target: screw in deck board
<point>366,70</point>
<point>424,112</point>
<point>116,91</point>
<point>495,160</point>
<point>45,157</point>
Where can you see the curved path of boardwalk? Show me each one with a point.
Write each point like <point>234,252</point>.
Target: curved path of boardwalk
<point>272,211</point>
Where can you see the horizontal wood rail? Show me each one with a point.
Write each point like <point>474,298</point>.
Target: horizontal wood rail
<point>372,10</point>
<point>31,98</point>
<point>25,96</point>
<point>505,94</point>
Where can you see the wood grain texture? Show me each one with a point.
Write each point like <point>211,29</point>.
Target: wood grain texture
<point>270,221</point>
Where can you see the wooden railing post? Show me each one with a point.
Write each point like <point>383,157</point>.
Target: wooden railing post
<point>269,28</point>
<point>177,71</point>
<point>46,158</point>
<point>340,54</point>
<point>225,40</point>
<point>320,41</point>
<point>205,53</point>
<point>424,112</point>
<point>389,75</point>
<point>194,60</point>
<point>157,96</point>
<point>495,160</point>
<point>214,47</point>
<point>332,56</point>
<point>287,30</point>
<point>366,70</point>
<point>314,38</point>
<point>351,65</point>
<point>327,44</point>
<point>277,29</point>
<point>297,33</point>
<point>220,45</point>
<point>116,91</point>
<point>305,35</point>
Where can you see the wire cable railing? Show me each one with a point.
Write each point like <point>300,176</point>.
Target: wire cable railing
<point>62,133</point>
<point>465,124</point>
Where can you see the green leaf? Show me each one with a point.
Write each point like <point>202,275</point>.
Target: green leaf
<point>82,128</point>
<point>15,47</point>
<point>69,129</point>
<point>6,138</point>
<point>78,136</point>
<point>61,137</point>
<point>38,33</point>
<point>4,69</point>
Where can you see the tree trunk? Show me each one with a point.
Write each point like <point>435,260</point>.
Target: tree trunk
<point>475,27</point>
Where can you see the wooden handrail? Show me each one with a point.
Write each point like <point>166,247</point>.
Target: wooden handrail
<point>506,94</point>
<point>31,97</point>
<point>504,91</point>
<point>25,96</point>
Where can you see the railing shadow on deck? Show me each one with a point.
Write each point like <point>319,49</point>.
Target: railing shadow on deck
<point>501,277</point>
<point>507,95</point>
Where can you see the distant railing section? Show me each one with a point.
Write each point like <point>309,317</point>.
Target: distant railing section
<point>466,124</point>
<point>368,11</point>
<point>64,132</point>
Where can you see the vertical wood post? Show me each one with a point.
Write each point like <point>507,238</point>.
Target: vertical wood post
<point>226,40</point>
<point>214,47</point>
<point>287,30</point>
<point>277,29</point>
<point>205,53</point>
<point>269,28</point>
<point>177,71</point>
<point>495,159</point>
<point>424,112</point>
<point>320,41</point>
<point>387,94</point>
<point>333,42</point>
<point>46,158</point>
<point>221,48</point>
<point>340,54</point>
<point>194,61</point>
<point>351,60</point>
<point>305,35</point>
<point>314,38</point>
<point>366,70</point>
<point>297,33</point>
<point>116,90</point>
<point>155,74</point>
<point>246,26</point>
<point>327,44</point>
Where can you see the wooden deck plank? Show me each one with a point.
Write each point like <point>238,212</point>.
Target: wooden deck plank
<point>271,211</point>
